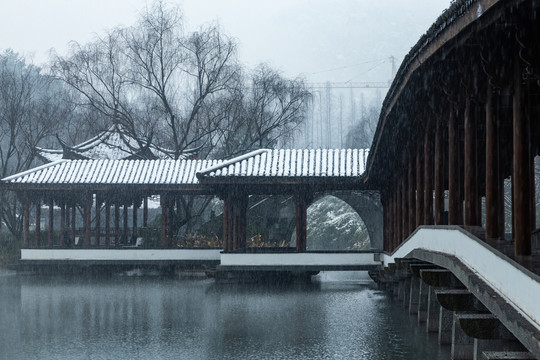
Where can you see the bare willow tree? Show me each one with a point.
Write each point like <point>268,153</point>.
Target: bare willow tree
<point>182,90</point>
<point>263,114</point>
<point>31,110</point>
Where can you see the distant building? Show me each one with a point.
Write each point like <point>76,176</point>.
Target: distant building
<point>116,143</point>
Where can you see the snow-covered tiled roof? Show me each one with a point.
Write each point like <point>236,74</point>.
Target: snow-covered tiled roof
<point>292,163</point>
<point>113,172</point>
<point>252,168</point>
<point>113,144</point>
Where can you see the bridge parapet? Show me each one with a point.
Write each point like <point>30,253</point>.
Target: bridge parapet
<point>505,288</point>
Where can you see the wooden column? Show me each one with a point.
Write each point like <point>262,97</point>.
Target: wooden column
<point>116,223</point>
<point>301,203</point>
<point>412,194</point>
<point>521,176</point>
<point>392,220</point>
<point>170,221</point>
<point>125,227</point>
<point>50,230</point>
<point>453,169</point>
<point>420,185</point>
<point>439,174</point>
<point>62,224</point>
<point>492,170</point>
<point>73,223</point>
<point>87,220</point>
<point>98,220</point>
<point>135,220</point>
<point>404,207</point>
<point>428,175</point>
<point>239,221</point>
<point>107,223</point>
<point>399,201</point>
<point>145,211</point>
<point>227,223</point>
<point>38,224</point>
<point>470,180</point>
<point>384,203</point>
<point>164,218</point>
<point>26,224</point>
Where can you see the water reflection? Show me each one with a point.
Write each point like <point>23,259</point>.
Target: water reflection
<point>147,318</point>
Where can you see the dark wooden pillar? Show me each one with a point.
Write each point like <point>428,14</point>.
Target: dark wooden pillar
<point>107,223</point>
<point>98,220</point>
<point>38,223</point>
<point>492,171</point>
<point>412,193</point>
<point>404,207</point>
<point>87,220</point>
<point>50,230</point>
<point>302,203</point>
<point>116,223</point>
<point>428,175</point>
<point>170,221</point>
<point>521,176</point>
<point>135,220</point>
<point>399,239</point>
<point>62,224</point>
<point>392,220</point>
<point>74,223</point>
<point>26,224</point>
<point>384,204</point>
<point>164,217</point>
<point>439,174</point>
<point>227,223</point>
<point>239,221</point>
<point>125,227</point>
<point>470,178</point>
<point>453,169</point>
<point>145,211</point>
<point>420,185</point>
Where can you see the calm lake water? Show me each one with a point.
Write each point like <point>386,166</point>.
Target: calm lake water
<point>339,316</point>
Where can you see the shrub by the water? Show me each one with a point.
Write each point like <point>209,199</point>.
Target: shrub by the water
<point>10,249</point>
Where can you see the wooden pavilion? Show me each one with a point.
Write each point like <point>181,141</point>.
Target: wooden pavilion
<point>104,188</point>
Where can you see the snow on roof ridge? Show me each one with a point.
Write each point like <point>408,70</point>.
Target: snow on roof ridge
<point>32,170</point>
<point>232,161</point>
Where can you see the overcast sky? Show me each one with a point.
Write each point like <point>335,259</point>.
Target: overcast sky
<point>323,40</point>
